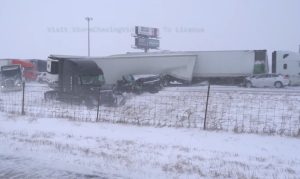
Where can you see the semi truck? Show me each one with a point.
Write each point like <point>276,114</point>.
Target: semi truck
<point>30,72</point>
<point>11,78</point>
<point>219,67</point>
<point>227,67</point>
<point>287,63</point>
<point>80,80</point>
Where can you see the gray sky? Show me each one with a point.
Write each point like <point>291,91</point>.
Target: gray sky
<point>35,28</point>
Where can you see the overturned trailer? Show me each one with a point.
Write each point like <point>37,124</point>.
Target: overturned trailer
<point>225,67</point>
<point>178,66</point>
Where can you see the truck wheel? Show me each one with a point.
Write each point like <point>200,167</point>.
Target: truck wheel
<point>153,90</point>
<point>166,83</point>
<point>47,97</point>
<point>137,90</point>
<point>278,84</point>
<point>248,84</point>
<point>90,102</point>
<point>50,95</point>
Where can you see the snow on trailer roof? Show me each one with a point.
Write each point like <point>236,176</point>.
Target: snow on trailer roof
<point>146,55</point>
<point>166,52</point>
<point>151,54</point>
<point>139,76</point>
<point>66,57</point>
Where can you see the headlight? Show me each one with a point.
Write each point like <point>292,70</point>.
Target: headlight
<point>18,84</point>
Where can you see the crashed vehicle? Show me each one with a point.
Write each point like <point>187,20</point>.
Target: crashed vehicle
<point>80,80</point>
<point>11,78</point>
<point>267,80</point>
<point>169,80</point>
<point>139,84</point>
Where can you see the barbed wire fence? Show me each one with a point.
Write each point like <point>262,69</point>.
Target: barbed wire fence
<point>241,112</point>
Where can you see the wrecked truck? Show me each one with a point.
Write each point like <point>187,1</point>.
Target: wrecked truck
<point>139,83</point>
<point>81,81</point>
<point>11,78</point>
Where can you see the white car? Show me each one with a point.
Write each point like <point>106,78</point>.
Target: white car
<point>42,77</point>
<point>267,80</point>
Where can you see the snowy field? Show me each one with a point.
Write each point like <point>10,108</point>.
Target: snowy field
<point>242,110</point>
<point>33,147</point>
<point>153,135</point>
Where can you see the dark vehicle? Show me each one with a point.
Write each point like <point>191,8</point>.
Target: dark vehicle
<point>168,80</point>
<point>11,78</point>
<point>80,80</point>
<point>139,84</point>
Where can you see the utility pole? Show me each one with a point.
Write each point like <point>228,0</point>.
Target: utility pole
<point>88,19</point>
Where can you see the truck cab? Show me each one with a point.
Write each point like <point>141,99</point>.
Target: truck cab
<point>29,69</point>
<point>11,78</point>
<point>287,63</point>
<point>79,80</point>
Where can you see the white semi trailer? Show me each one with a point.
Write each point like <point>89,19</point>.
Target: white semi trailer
<point>216,66</point>
<point>230,66</point>
<point>180,66</point>
<point>287,63</point>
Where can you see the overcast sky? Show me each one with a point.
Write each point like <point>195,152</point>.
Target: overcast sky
<point>35,28</point>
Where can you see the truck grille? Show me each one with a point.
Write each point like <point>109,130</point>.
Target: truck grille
<point>9,83</point>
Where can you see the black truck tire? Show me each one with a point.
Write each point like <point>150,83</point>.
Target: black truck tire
<point>51,95</point>
<point>90,102</point>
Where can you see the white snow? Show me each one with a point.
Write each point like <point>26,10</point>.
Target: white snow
<point>269,110</point>
<point>153,135</point>
<point>139,76</point>
<point>58,148</point>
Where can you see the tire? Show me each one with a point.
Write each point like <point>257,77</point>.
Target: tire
<point>153,90</point>
<point>278,84</point>
<point>112,103</point>
<point>90,102</point>
<point>166,83</point>
<point>248,84</point>
<point>50,95</point>
<point>47,97</point>
<point>137,90</point>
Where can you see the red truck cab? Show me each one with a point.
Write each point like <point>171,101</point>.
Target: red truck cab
<point>29,73</point>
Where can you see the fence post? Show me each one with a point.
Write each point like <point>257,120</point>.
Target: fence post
<point>207,97</point>
<point>23,98</point>
<point>98,106</point>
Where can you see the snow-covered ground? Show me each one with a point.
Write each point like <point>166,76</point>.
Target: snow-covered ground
<point>255,110</point>
<point>166,140</point>
<point>34,147</point>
